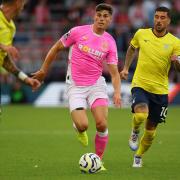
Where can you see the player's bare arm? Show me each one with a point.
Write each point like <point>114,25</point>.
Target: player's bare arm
<point>175,58</point>
<point>116,82</point>
<point>51,56</point>
<point>128,61</point>
<point>11,50</point>
<point>10,66</point>
<point>176,62</point>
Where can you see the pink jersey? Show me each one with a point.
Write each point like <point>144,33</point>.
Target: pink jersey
<point>87,53</point>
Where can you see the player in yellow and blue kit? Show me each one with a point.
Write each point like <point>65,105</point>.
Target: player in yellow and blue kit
<point>9,9</point>
<point>157,50</point>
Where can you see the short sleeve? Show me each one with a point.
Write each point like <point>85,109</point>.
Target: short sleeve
<point>70,37</point>
<point>112,57</point>
<point>176,50</point>
<point>135,40</point>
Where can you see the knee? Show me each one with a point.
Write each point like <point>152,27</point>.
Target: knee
<point>101,126</point>
<point>140,117</point>
<point>82,127</point>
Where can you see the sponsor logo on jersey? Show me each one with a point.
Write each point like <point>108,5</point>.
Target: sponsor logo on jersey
<point>91,51</point>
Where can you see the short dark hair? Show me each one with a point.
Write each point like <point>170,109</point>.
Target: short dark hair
<point>7,1</point>
<point>164,9</point>
<point>104,6</point>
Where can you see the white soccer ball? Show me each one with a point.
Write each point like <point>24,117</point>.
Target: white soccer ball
<point>90,163</point>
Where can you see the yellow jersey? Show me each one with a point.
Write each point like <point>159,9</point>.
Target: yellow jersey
<point>7,32</point>
<point>154,63</point>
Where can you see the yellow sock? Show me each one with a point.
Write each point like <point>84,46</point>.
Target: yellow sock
<point>145,142</point>
<point>138,119</point>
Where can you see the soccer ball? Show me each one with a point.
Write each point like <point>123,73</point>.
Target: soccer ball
<point>90,163</point>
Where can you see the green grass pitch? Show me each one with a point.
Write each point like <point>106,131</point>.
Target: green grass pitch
<point>40,144</point>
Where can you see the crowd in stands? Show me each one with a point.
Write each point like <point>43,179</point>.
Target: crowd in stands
<point>44,21</point>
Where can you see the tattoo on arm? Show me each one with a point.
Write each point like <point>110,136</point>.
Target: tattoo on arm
<point>10,66</point>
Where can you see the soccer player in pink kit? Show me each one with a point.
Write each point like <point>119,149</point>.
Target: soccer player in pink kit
<point>90,45</point>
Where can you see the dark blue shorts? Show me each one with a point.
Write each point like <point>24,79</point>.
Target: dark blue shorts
<point>157,103</point>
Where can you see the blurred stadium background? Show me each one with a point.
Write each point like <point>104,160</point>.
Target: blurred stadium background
<point>37,143</point>
<point>44,21</point>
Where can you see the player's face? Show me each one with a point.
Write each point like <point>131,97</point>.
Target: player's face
<point>102,19</point>
<point>161,21</point>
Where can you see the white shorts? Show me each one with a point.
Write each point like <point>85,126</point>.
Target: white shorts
<point>84,96</point>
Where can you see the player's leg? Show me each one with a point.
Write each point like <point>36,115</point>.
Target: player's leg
<point>145,142</point>
<point>139,116</point>
<point>80,123</point>
<point>147,138</point>
<point>98,101</point>
<point>77,105</point>
<point>157,114</point>
<point>140,113</point>
<point>100,112</point>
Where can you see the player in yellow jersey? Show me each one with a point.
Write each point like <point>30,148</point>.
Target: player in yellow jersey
<point>157,50</point>
<point>9,9</point>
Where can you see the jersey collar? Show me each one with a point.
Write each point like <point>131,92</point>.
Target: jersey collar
<point>159,36</point>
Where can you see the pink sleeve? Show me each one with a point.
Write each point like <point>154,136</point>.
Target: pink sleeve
<point>70,37</point>
<point>112,57</point>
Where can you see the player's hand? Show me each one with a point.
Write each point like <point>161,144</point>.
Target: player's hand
<point>176,62</point>
<point>39,75</point>
<point>12,51</point>
<point>174,58</point>
<point>124,74</point>
<point>34,83</point>
<point>117,99</point>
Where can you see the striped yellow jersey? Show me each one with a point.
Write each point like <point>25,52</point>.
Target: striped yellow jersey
<point>154,63</point>
<point>7,32</point>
